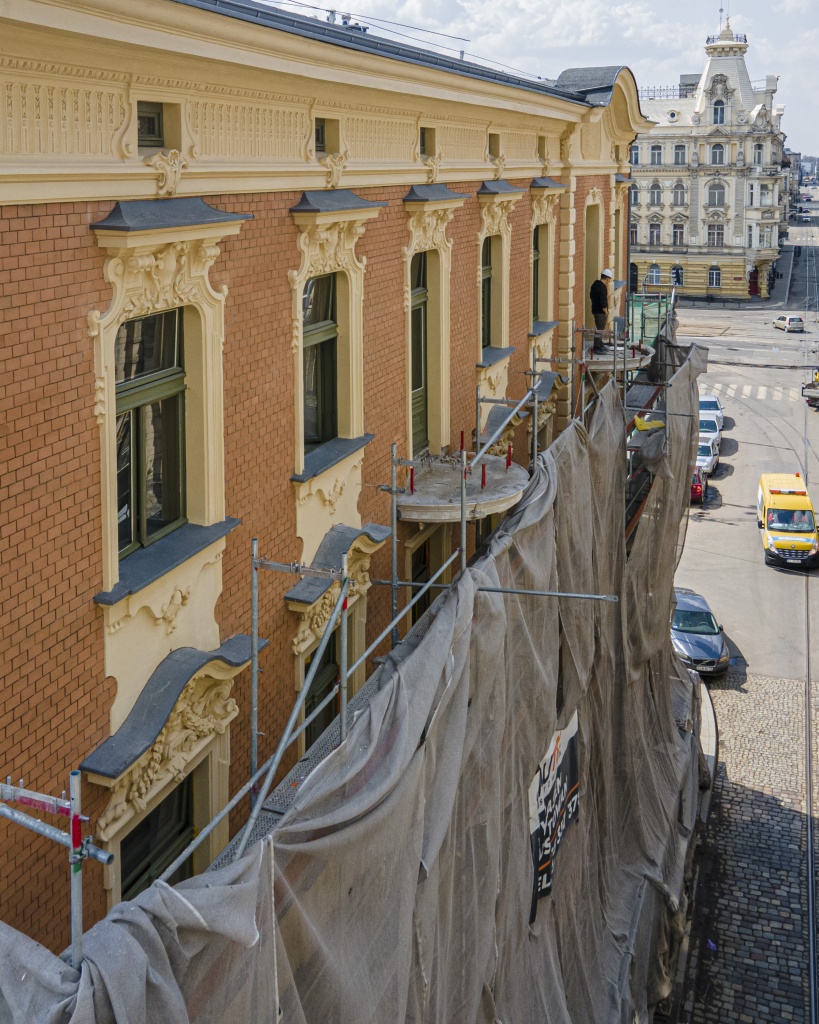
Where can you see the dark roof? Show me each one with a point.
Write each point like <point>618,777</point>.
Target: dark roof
<point>546,183</point>
<point>498,188</point>
<point>338,35</point>
<point>432,193</point>
<point>150,214</point>
<point>155,703</point>
<point>595,85</point>
<point>332,201</point>
<point>336,542</point>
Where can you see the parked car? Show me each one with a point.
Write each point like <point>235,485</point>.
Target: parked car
<point>711,405</point>
<point>789,323</point>
<point>709,429</point>
<point>699,642</point>
<point>699,487</point>
<point>707,456</point>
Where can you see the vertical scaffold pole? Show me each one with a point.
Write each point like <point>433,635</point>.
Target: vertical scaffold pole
<point>463,511</point>
<point>478,418</point>
<point>254,659</point>
<point>572,361</point>
<point>535,383</point>
<point>75,862</point>
<point>343,656</point>
<point>394,637</point>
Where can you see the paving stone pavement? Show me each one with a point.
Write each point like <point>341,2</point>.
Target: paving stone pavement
<point>748,959</point>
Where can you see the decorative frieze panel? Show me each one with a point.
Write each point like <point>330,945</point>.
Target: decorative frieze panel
<point>51,117</point>
<point>519,147</point>
<point>223,129</point>
<point>377,139</point>
<point>460,143</point>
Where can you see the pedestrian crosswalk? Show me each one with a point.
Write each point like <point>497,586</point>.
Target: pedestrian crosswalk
<point>759,392</point>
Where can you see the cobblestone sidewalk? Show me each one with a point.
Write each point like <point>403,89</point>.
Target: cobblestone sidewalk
<point>748,942</point>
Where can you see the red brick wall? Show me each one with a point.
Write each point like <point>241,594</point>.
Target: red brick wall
<point>56,699</point>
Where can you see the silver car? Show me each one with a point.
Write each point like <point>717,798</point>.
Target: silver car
<point>699,642</point>
<point>789,323</point>
<point>710,405</point>
<point>707,455</point>
<point>709,429</point>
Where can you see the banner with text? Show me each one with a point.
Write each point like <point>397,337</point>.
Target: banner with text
<point>553,799</point>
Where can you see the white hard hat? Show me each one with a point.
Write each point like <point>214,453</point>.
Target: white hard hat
<point>607,273</point>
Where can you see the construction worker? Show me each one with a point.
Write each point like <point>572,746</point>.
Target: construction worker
<point>599,295</point>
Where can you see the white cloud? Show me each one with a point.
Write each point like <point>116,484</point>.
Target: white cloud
<point>658,39</point>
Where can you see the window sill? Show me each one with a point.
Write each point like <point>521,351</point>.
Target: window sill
<point>492,355</point>
<point>540,327</point>
<point>330,454</point>
<point>142,568</point>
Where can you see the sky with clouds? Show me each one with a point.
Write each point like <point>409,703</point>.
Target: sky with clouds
<point>657,39</point>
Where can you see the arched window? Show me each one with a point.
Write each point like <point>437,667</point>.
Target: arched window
<point>653,274</point>
<point>719,112</point>
<point>759,153</point>
<point>718,153</point>
<point>678,196</point>
<point>714,277</point>
<point>635,195</point>
<point>677,276</point>
<point>716,194</point>
<point>655,194</point>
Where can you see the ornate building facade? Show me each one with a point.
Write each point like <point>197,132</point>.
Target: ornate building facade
<point>709,198</point>
<point>245,253</point>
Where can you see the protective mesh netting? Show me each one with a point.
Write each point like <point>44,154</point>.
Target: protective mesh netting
<point>402,876</point>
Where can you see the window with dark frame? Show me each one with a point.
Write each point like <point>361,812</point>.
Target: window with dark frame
<point>157,841</point>
<point>654,234</point>
<point>716,235</point>
<point>718,154</point>
<point>150,428</point>
<point>719,112</point>
<point>677,277</point>
<point>535,273</point>
<point>319,357</point>
<point>655,194</point>
<point>632,233</point>
<point>759,153</point>
<point>634,155</point>
<point>419,300</point>
<point>716,195</point>
<point>420,574</point>
<point>714,277</point>
<point>320,131</point>
<point>486,293</point>
<point>678,195</point>
<point>150,127</point>
<point>679,155</point>
<point>656,155</point>
<point>325,679</point>
<point>678,234</point>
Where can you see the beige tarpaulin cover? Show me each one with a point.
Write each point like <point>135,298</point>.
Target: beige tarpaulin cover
<point>403,873</point>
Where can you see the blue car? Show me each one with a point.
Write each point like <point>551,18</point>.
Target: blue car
<point>697,638</point>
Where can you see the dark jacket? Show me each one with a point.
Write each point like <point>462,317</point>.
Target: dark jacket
<point>599,297</point>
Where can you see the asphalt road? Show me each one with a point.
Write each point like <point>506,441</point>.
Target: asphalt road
<point>748,944</point>
<point>751,368</point>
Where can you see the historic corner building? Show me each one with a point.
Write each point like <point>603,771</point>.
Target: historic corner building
<point>244,253</point>
<point>710,194</point>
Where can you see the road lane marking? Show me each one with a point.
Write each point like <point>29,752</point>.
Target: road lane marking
<point>777,395</point>
<point>746,391</point>
<point>763,391</point>
<point>794,395</point>
<point>732,389</point>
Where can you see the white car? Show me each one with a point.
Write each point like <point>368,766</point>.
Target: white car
<point>712,406</point>
<point>789,323</point>
<point>709,430</point>
<point>707,455</point>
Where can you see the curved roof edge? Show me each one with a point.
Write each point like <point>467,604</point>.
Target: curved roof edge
<point>595,85</point>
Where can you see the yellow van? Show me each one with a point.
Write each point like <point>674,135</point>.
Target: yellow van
<point>784,513</point>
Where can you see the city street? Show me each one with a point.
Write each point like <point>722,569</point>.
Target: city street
<point>748,945</point>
